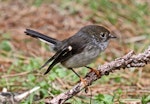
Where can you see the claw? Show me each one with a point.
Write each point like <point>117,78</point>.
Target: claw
<point>83,81</point>
<point>95,71</point>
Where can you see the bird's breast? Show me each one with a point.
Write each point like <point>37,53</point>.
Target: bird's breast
<point>90,53</point>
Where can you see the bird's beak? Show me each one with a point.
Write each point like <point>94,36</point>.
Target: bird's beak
<point>112,36</point>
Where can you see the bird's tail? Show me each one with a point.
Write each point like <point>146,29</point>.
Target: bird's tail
<point>41,36</point>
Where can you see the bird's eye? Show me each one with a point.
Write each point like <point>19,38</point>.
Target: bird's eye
<point>102,35</point>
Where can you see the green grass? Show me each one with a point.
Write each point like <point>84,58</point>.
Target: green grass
<point>145,99</point>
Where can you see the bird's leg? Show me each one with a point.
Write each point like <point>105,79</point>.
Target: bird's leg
<point>81,79</point>
<point>94,70</point>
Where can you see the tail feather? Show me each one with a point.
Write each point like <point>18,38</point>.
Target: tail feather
<point>36,34</point>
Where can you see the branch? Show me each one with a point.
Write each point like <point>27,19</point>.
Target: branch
<point>127,61</point>
<point>15,98</point>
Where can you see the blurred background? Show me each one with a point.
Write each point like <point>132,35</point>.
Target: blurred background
<point>21,55</point>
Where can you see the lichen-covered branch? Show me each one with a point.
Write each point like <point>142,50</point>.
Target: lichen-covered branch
<point>127,61</point>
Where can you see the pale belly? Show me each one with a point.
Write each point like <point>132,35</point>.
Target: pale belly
<point>82,59</point>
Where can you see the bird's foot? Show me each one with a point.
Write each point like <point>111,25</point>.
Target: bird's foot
<point>83,81</point>
<point>95,71</point>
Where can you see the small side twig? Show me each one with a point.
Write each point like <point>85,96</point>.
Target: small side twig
<point>127,61</point>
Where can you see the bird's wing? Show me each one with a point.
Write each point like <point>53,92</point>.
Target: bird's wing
<point>71,47</point>
<point>60,56</point>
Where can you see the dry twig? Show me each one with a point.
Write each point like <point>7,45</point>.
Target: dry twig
<point>127,61</point>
